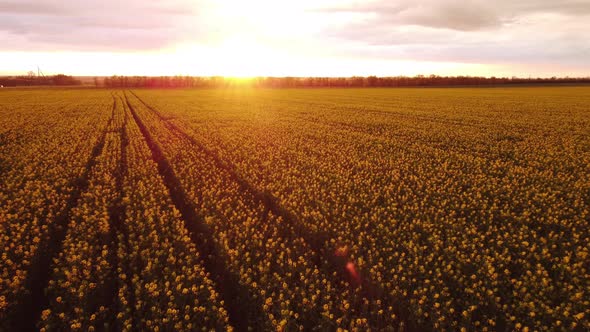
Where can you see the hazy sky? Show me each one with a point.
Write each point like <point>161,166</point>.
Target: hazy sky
<point>299,38</point>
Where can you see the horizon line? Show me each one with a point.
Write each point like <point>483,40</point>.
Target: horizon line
<point>312,76</point>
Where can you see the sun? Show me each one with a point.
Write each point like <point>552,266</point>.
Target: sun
<point>245,44</point>
<point>237,56</point>
<point>241,57</point>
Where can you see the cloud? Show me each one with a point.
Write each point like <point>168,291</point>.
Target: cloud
<point>526,31</point>
<point>7,7</point>
<point>467,31</point>
<point>456,15</point>
<point>567,7</point>
<point>97,25</point>
<point>462,15</point>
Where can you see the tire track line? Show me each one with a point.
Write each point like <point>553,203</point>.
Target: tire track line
<point>27,312</point>
<point>238,298</point>
<point>117,216</point>
<point>318,241</point>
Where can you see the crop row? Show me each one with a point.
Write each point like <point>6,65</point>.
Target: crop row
<point>80,289</point>
<point>127,262</point>
<point>170,283</point>
<point>44,159</point>
<point>292,282</point>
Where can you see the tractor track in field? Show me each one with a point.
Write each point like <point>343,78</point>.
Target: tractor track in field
<point>318,242</point>
<point>117,226</point>
<point>271,203</point>
<point>28,310</point>
<point>237,298</point>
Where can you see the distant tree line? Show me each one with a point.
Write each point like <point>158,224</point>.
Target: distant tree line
<point>310,82</point>
<point>32,80</point>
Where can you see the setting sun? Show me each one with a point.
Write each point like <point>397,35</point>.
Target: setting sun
<point>240,57</point>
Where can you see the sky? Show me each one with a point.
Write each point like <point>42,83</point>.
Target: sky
<point>539,38</point>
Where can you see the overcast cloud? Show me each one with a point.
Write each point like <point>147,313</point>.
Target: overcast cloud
<point>478,31</point>
<point>97,25</point>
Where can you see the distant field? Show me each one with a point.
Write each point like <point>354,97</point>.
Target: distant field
<point>295,209</point>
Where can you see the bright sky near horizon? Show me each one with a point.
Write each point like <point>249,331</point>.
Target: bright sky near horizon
<point>296,38</point>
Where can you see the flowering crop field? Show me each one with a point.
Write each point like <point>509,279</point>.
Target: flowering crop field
<point>295,209</point>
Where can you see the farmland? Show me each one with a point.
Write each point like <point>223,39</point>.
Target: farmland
<point>295,209</point>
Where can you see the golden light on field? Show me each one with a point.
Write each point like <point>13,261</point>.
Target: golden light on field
<point>270,165</point>
<point>322,212</point>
